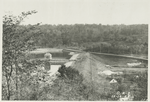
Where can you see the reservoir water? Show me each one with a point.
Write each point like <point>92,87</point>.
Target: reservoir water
<point>119,61</point>
<point>61,56</point>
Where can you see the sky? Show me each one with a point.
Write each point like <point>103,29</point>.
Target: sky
<point>80,11</point>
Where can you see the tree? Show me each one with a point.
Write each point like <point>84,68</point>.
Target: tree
<point>16,41</point>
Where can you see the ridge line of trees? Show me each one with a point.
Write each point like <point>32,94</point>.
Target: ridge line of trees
<point>116,39</point>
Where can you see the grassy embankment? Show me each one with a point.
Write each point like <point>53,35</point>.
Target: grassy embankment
<point>89,67</point>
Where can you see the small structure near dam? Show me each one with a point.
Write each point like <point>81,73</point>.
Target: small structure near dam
<point>49,70</point>
<point>47,62</point>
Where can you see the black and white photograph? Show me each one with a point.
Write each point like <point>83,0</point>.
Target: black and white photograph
<point>74,50</point>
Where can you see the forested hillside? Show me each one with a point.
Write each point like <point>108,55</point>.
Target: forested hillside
<point>117,39</point>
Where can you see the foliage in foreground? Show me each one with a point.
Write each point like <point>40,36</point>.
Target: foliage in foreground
<point>16,42</point>
<point>136,83</point>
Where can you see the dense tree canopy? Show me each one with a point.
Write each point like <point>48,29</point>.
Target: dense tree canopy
<point>117,39</point>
